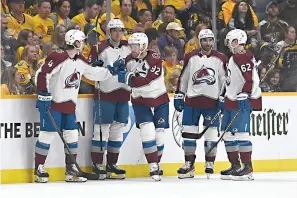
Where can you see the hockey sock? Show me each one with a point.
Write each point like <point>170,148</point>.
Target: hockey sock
<point>113,150</point>
<point>245,149</point>
<point>160,136</point>
<point>189,146</point>
<point>150,151</point>
<point>97,154</point>
<point>41,152</point>
<point>212,155</point>
<point>73,148</point>
<point>160,152</point>
<point>232,151</point>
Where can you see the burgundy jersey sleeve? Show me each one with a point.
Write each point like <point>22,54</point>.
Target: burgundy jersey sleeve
<point>155,71</point>
<point>246,66</point>
<point>51,66</point>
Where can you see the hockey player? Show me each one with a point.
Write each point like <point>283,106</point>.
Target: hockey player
<point>242,93</point>
<point>149,98</point>
<point>111,100</point>
<point>197,94</point>
<point>57,84</point>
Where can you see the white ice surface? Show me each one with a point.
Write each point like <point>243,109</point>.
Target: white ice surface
<point>265,185</point>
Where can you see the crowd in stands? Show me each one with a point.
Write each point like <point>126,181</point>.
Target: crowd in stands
<point>31,29</point>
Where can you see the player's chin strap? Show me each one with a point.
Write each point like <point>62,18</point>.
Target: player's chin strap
<point>140,52</point>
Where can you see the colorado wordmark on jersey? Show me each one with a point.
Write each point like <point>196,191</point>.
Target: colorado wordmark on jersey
<point>148,87</point>
<point>111,89</point>
<point>60,76</point>
<point>203,78</point>
<point>242,77</point>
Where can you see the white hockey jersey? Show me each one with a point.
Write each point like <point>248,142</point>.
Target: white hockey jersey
<point>60,76</point>
<point>202,78</point>
<point>111,89</point>
<point>148,86</point>
<point>242,77</point>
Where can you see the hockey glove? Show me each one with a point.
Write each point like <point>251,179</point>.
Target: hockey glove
<point>243,101</point>
<point>98,63</point>
<point>44,101</point>
<point>124,77</point>
<point>221,105</point>
<point>179,102</point>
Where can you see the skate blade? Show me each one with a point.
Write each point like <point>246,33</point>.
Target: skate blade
<point>156,177</point>
<point>208,175</point>
<point>225,177</point>
<point>186,176</point>
<point>41,179</point>
<point>248,177</point>
<point>71,178</point>
<point>115,176</point>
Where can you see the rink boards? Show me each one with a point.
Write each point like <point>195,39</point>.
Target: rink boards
<point>274,137</point>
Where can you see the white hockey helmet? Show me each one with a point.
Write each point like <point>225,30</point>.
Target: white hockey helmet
<point>74,35</point>
<point>236,34</point>
<point>114,23</point>
<point>140,39</point>
<point>205,33</point>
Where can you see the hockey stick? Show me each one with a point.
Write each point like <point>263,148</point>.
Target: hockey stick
<point>226,130</point>
<point>271,65</point>
<point>89,176</point>
<point>199,135</point>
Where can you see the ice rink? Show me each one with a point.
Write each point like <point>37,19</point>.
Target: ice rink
<point>265,185</point>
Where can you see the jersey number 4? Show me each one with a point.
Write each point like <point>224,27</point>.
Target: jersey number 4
<point>156,70</point>
<point>246,67</point>
<point>50,64</point>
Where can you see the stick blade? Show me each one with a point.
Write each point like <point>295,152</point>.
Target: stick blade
<point>90,176</point>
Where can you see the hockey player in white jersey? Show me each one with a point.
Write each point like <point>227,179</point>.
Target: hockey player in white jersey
<point>199,88</point>
<point>111,108</point>
<point>242,93</point>
<point>57,84</point>
<point>149,98</point>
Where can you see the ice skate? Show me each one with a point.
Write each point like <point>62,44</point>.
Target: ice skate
<point>245,173</point>
<point>73,175</point>
<point>186,171</point>
<point>100,170</point>
<point>114,172</point>
<point>209,169</point>
<point>155,171</point>
<point>160,170</point>
<point>226,174</point>
<point>41,176</point>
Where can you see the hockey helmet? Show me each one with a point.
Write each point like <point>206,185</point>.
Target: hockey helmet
<point>74,35</point>
<point>114,23</point>
<point>205,33</point>
<point>139,38</point>
<point>236,34</point>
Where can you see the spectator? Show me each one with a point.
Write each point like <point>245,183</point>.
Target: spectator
<point>272,30</point>
<point>8,43</point>
<point>171,39</point>
<point>31,7</point>
<point>25,37</point>
<point>18,20</point>
<point>145,18</point>
<point>179,5</point>
<point>4,8</point>
<point>43,25</point>
<point>290,39</point>
<point>173,80</point>
<point>152,35</point>
<point>4,63</point>
<point>59,36</point>
<point>46,50</point>
<point>124,16</point>
<point>193,43</point>
<point>170,61</point>
<point>288,62</point>
<point>273,82</point>
<point>27,68</point>
<point>167,16</point>
<point>101,7</point>
<point>288,12</point>
<point>62,13</point>
<point>143,4</point>
<point>228,7</point>
<point>91,10</point>
<point>10,80</point>
<point>242,19</point>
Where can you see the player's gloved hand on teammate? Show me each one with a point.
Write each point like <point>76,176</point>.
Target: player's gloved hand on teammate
<point>117,66</point>
<point>44,101</point>
<point>243,101</point>
<point>125,77</point>
<point>221,104</point>
<point>179,102</point>
<point>98,63</point>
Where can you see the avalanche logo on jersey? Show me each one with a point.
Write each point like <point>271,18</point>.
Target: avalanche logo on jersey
<point>204,75</point>
<point>72,80</point>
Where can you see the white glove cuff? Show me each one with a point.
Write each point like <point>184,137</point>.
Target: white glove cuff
<point>179,96</point>
<point>242,96</point>
<point>45,98</point>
